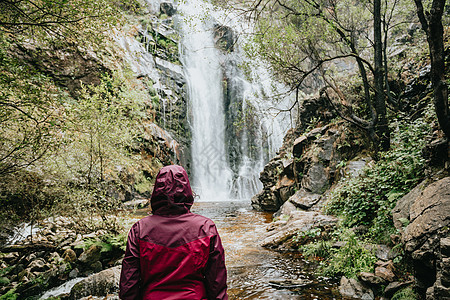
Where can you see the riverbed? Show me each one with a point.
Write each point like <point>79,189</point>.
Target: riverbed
<point>254,272</point>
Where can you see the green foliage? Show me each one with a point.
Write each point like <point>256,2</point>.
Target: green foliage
<point>349,260</point>
<point>405,294</point>
<point>369,198</point>
<point>107,242</point>
<point>320,248</point>
<point>10,295</point>
<point>101,128</point>
<point>59,21</point>
<point>27,112</point>
<point>4,281</point>
<point>6,270</point>
<point>143,185</point>
<point>303,236</point>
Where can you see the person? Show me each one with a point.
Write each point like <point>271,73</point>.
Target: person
<point>173,253</point>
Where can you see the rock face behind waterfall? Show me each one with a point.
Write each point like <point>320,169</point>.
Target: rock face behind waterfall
<point>307,163</point>
<point>423,218</point>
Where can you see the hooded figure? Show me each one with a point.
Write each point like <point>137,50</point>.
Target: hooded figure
<point>173,254</point>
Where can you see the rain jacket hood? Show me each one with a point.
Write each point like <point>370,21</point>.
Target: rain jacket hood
<point>172,193</point>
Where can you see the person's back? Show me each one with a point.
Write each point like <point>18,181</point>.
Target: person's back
<point>173,254</point>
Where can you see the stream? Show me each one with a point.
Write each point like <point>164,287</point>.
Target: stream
<point>251,267</point>
<point>253,271</point>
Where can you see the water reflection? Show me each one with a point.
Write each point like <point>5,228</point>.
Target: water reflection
<point>252,268</point>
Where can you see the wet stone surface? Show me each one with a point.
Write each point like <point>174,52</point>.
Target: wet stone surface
<point>253,270</point>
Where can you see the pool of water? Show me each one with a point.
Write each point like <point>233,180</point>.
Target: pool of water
<point>253,272</point>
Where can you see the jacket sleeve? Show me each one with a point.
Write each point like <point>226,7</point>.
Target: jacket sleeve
<point>216,272</point>
<point>130,274</point>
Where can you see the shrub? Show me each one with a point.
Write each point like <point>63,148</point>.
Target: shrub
<point>368,199</point>
<point>350,259</point>
<point>405,294</point>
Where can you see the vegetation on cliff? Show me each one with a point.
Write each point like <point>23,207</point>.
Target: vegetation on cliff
<point>71,110</point>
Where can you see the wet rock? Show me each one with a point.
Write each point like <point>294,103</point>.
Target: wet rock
<point>424,217</point>
<point>393,287</point>
<point>37,265</point>
<point>285,209</point>
<point>96,266</point>
<point>382,252</point>
<point>135,204</point>
<point>371,278</point>
<point>10,257</point>
<point>69,256</point>
<point>265,201</point>
<point>90,255</point>
<point>299,221</point>
<point>299,145</point>
<point>316,179</point>
<point>354,168</point>
<point>74,273</point>
<point>289,283</point>
<point>276,225</point>
<point>284,188</point>
<point>384,273</point>
<point>100,284</point>
<point>353,289</point>
<point>304,199</point>
<point>167,8</point>
<point>224,38</point>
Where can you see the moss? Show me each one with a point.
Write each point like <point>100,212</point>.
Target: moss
<point>4,281</point>
<point>405,294</point>
<point>10,295</point>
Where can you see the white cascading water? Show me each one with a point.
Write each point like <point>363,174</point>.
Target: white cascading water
<point>213,178</point>
<point>211,173</point>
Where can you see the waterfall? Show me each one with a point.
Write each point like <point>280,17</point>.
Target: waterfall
<point>233,131</point>
<point>211,172</point>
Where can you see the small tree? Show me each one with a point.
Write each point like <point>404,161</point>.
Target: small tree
<point>310,39</point>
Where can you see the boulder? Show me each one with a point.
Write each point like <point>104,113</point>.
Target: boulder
<point>354,168</point>
<point>299,221</point>
<point>167,9</point>
<point>371,278</point>
<point>353,289</point>
<point>100,284</point>
<point>304,199</point>
<point>299,145</point>
<point>265,201</point>
<point>441,287</point>
<point>38,265</point>
<point>423,218</point>
<point>427,214</point>
<point>393,287</point>
<point>385,273</point>
<point>90,255</point>
<point>285,209</point>
<point>224,38</point>
<point>284,188</point>
<point>316,179</point>
<point>382,252</point>
<point>69,256</point>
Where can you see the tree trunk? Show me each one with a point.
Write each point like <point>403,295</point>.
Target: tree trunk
<point>432,25</point>
<point>381,125</point>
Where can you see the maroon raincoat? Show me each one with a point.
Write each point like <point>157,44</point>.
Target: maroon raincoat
<point>173,254</point>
